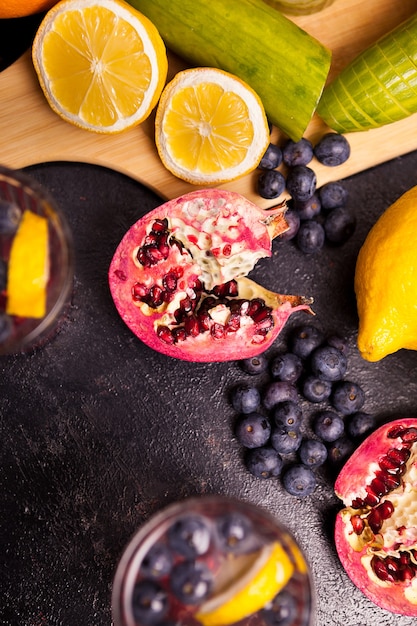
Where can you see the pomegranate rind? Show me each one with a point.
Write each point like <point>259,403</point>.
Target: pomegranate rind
<point>243,225</point>
<point>397,597</point>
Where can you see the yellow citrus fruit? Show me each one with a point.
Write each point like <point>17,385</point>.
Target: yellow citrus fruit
<point>28,268</point>
<point>242,594</point>
<point>101,64</point>
<point>22,8</point>
<point>386,282</point>
<point>210,127</point>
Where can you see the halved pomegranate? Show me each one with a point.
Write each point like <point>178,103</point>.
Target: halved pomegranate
<point>178,278</point>
<point>376,534</point>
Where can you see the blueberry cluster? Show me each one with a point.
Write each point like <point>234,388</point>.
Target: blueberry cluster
<point>272,425</point>
<point>315,216</point>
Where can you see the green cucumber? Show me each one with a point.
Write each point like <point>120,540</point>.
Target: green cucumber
<point>285,65</point>
<point>376,88</point>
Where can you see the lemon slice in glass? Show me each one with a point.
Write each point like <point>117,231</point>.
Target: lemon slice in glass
<point>28,269</point>
<point>249,584</point>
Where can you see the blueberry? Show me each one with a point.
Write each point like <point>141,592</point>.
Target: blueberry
<point>310,237</point>
<point>287,367</point>
<point>278,391</point>
<point>157,562</point>
<point>301,182</point>
<point>10,215</point>
<point>339,225</point>
<point>347,397</point>
<point>245,398</point>
<point>190,536</point>
<point>271,184</point>
<point>328,363</point>
<point>340,450</point>
<point>293,221</point>
<point>254,365</point>
<point>313,453</point>
<point>264,462</point>
<point>315,389</point>
<point>297,152</point>
<point>338,342</point>
<point>288,415</point>
<point>149,602</point>
<point>3,274</point>
<point>333,194</point>
<point>308,208</point>
<point>191,581</point>
<point>282,611</point>
<point>253,430</point>
<point>332,149</point>
<point>360,424</point>
<point>299,480</point>
<point>234,528</point>
<point>6,327</point>
<point>305,339</point>
<point>272,158</point>
<point>285,440</point>
<point>328,426</point>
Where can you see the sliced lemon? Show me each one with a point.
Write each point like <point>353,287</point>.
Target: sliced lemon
<point>28,269</point>
<point>250,590</point>
<point>101,65</point>
<point>210,127</point>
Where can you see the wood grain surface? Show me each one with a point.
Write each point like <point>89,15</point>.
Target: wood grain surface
<point>32,133</point>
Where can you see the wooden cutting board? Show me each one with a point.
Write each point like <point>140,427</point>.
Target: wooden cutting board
<point>31,133</point>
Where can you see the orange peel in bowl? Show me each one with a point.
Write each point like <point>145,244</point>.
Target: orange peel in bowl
<point>28,269</point>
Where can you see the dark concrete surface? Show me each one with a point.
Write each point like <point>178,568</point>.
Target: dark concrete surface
<point>98,431</point>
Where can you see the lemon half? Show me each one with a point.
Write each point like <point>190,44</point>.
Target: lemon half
<point>267,572</point>
<point>210,126</point>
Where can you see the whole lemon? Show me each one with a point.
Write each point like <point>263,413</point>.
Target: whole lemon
<point>386,281</point>
<point>23,8</point>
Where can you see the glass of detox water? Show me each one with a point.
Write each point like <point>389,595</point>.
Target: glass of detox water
<point>36,263</point>
<point>212,561</point>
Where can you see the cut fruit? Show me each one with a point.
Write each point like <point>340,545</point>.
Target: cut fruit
<point>249,592</point>
<point>210,127</point>
<point>28,268</point>
<point>101,65</point>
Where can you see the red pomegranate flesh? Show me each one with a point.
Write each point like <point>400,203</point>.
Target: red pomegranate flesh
<point>178,278</point>
<point>376,532</point>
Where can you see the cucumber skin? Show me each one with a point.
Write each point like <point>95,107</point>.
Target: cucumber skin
<point>284,65</point>
<point>378,87</point>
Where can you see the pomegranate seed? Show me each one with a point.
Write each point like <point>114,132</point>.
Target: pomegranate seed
<point>160,225</point>
<point>156,296</point>
<point>165,334</point>
<point>396,431</point>
<point>186,305</point>
<point>391,481</point>
<point>407,573</point>
<point>179,315</point>
<point>142,257</point>
<point>179,333</point>
<point>151,240</point>
<point>192,326</point>
<point>261,314</point>
<point>217,331</point>
<point>410,436</point>
<point>139,291</point>
<point>399,455</point>
<point>372,499</point>
<point>358,503</point>
<point>203,320</point>
<point>381,570</point>
<point>234,323</point>
<point>378,487</point>
<point>153,255</point>
<point>227,289</point>
<point>385,509</point>
<point>255,305</point>
<point>227,249</point>
<point>374,520</point>
<point>170,281</point>
<point>357,524</point>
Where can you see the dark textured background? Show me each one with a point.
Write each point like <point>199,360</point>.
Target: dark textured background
<point>98,431</point>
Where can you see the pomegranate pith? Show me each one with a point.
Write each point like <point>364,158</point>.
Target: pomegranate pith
<point>178,278</point>
<point>376,532</point>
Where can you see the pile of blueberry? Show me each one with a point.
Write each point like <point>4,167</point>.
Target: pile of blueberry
<point>272,426</point>
<point>315,216</point>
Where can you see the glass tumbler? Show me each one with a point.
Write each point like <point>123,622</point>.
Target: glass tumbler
<point>212,561</point>
<point>21,200</point>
